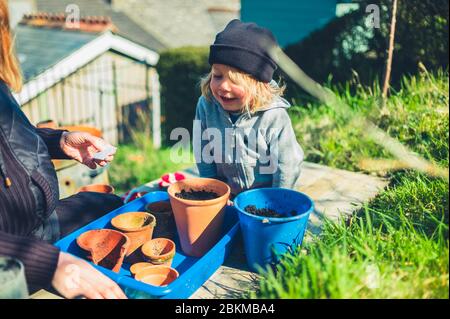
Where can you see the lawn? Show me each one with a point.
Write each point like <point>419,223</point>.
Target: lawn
<point>397,245</point>
<point>139,162</point>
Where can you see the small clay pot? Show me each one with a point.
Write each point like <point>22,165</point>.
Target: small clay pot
<point>138,226</point>
<point>159,251</point>
<point>105,247</point>
<point>98,188</point>
<point>83,128</point>
<point>47,124</point>
<point>137,267</point>
<point>157,275</point>
<point>162,210</point>
<point>199,222</point>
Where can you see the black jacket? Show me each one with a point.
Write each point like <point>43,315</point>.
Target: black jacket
<point>28,190</point>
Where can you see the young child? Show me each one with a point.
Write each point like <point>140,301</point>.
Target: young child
<point>242,132</point>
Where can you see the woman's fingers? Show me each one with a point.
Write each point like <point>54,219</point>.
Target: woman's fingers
<point>90,291</point>
<point>97,142</point>
<point>108,288</point>
<point>75,277</point>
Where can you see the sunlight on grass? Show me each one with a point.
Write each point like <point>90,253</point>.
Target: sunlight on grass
<point>397,245</point>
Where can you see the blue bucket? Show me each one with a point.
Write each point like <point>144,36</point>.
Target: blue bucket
<point>266,238</point>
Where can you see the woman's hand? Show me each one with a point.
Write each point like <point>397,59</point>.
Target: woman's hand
<point>75,277</point>
<point>82,146</point>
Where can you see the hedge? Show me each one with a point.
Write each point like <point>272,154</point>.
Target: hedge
<point>348,48</point>
<point>180,70</point>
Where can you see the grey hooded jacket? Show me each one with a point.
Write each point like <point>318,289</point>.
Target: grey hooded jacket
<point>258,150</point>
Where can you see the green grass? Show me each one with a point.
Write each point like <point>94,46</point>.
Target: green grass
<point>139,162</point>
<point>417,115</point>
<point>397,245</point>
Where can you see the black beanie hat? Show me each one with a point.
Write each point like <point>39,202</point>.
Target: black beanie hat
<point>244,46</point>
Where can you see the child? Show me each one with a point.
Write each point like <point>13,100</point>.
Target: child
<point>242,132</point>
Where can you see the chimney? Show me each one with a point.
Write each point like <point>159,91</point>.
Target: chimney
<point>96,24</point>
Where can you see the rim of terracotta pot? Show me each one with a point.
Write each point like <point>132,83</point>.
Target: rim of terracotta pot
<point>117,222</point>
<point>176,187</point>
<point>166,270</point>
<point>146,250</point>
<point>137,267</point>
<point>81,242</point>
<point>162,203</point>
<point>107,189</point>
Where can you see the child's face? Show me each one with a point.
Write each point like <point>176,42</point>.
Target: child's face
<point>230,95</point>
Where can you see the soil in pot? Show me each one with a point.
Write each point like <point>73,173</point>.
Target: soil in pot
<point>197,194</point>
<point>266,212</point>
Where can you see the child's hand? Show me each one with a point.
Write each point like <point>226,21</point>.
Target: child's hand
<point>168,179</point>
<point>136,193</point>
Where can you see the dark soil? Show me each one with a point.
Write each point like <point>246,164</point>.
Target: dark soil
<point>266,212</point>
<point>113,256</point>
<point>196,195</point>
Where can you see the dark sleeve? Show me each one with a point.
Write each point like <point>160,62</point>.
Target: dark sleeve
<point>52,138</point>
<point>39,258</point>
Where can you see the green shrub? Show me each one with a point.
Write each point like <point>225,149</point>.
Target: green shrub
<point>418,117</point>
<point>348,48</point>
<point>180,71</point>
<point>139,162</point>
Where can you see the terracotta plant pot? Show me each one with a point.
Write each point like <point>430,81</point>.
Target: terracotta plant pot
<point>98,188</point>
<point>157,275</point>
<point>83,128</point>
<point>166,227</point>
<point>105,247</point>
<point>137,267</point>
<point>159,251</point>
<point>47,124</point>
<point>199,222</point>
<point>138,226</point>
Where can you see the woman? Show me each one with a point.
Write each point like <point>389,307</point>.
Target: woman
<point>31,214</point>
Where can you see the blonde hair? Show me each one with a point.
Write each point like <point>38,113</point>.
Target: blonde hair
<point>9,66</point>
<point>259,93</point>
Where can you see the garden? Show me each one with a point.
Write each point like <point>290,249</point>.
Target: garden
<point>396,245</point>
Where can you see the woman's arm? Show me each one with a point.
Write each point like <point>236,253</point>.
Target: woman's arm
<point>46,265</point>
<point>39,258</point>
<point>52,139</point>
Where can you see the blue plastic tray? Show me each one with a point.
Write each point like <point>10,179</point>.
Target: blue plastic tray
<point>193,271</point>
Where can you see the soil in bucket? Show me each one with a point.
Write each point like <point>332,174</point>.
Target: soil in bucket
<point>197,195</point>
<point>267,212</point>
